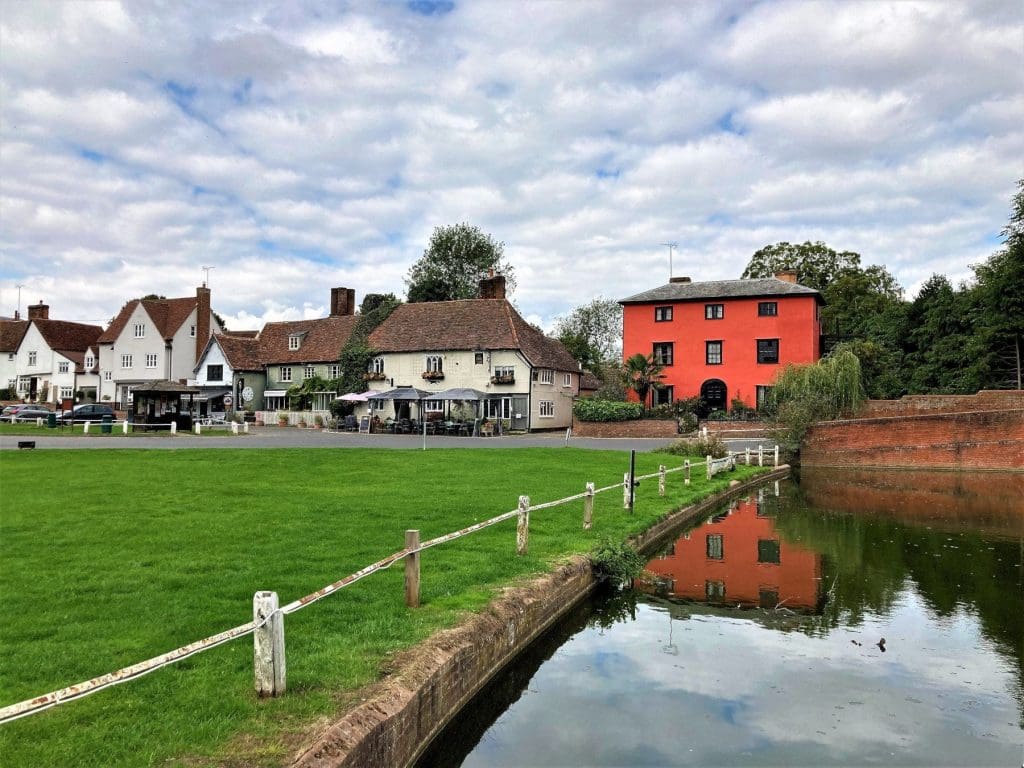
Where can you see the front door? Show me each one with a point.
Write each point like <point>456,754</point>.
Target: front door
<point>713,393</point>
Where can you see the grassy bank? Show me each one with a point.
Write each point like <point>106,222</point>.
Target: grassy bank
<point>110,557</point>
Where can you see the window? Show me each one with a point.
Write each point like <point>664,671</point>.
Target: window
<point>547,408</point>
<point>714,311</point>
<point>140,330</point>
<point>504,374</point>
<point>63,367</point>
<point>546,376</point>
<point>309,373</point>
<point>713,352</point>
<point>662,314</point>
<point>126,361</point>
<point>23,382</point>
<point>293,342</point>
<point>662,395</point>
<point>767,308</point>
<point>67,393</point>
<point>714,590</point>
<point>32,358</point>
<point>90,362</point>
<point>768,598</point>
<point>435,364</point>
<point>192,331</point>
<point>768,551</point>
<point>433,406</point>
<point>10,355</point>
<point>286,373</point>
<point>715,546</point>
<point>663,353</point>
<point>108,376</point>
<point>763,395</point>
<point>214,372</point>
<point>566,379</point>
<point>498,408</point>
<point>334,371</point>
<point>767,350</point>
<point>377,366</point>
<point>151,361</point>
<point>478,358</point>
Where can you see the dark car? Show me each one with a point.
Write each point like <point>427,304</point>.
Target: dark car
<point>86,412</point>
<point>31,412</point>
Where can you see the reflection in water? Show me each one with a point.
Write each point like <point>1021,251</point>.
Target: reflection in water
<point>780,660</point>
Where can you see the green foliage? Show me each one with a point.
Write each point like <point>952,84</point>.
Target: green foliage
<point>592,333</point>
<point>613,386</point>
<point>457,258</point>
<point>816,264</point>
<point>701,446</point>
<point>642,374</point>
<point>592,409</point>
<point>356,354</point>
<point>616,562</point>
<point>300,396</point>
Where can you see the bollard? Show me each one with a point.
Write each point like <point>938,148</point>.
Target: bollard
<point>760,455</point>
<point>661,479</point>
<point>245,428</point>
<point>124,428</point>
<point>686,464</point>
<point>776,487</point>
<point>268,645</point>
<point>234,427</point>
<point>748,455</point>
<point>707,463</point>
<point>85,428</point>
<point>412,569</point>
<point>39,422</point>
<point>198,428</point>
<point>174,427</point>
<point>523,526</point>
<point>776,455</point>
<point>588,507</point>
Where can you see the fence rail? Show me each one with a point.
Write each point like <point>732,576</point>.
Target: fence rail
<point>270,619</point>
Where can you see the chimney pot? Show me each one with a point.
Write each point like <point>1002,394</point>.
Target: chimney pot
<point>39,311</point>
<point>343,302</point>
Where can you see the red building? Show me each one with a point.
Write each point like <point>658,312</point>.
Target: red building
<point>723,339</point>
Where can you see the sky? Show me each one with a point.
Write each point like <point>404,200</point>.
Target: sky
<point>282,149</point>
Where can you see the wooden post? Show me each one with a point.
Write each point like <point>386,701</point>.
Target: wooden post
<point>748,455</point>
<point>707,464</point>
<point>412,569</point>
<point>760,455</point>
<point>661,479</point>
<point>588,507</point>
<point>776,455</point>
<point>686,465</point>
<point>268,645</point>
<point>626,482</point>
<point>523,526</point>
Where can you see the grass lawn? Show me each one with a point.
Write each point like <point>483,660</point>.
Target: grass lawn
<point>111,557</point>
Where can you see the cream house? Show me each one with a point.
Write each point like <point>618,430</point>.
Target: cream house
<point>56,359</point>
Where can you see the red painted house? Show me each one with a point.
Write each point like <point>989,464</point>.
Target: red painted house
<point>723,339</point>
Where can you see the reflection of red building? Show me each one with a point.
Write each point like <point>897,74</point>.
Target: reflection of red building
<point>739,558</point>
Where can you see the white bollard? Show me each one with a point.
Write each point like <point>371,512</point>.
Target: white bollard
<point>245,428</point>
<point>198,428</point>
<point>661,479</point>
<point>234,427</point>
<point>85,428</point>
<point>124,429</point>
<point>686,464</point>
<point>760,455</point>
<point>748,455</point>
<point>776,455</point>
<point>707,464</point>
<point>174,427</point>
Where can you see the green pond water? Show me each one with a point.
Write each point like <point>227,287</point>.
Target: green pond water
<point>756,639</point>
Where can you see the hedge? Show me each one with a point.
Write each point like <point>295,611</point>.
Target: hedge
<point>606,410</point>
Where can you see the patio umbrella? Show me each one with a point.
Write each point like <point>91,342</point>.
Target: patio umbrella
<point>354,397</point>
<point>459,393</point>
<point>401,393</point>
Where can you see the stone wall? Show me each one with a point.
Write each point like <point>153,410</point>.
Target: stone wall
<point>636,428</point>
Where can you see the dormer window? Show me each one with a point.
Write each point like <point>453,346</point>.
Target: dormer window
<point>294,341</point>
<point>140,330</point>
<point>377,365</point>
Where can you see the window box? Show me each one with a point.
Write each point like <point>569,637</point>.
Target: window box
<point>433,375</point>
<point>376,376</point>
<point>508,378</point>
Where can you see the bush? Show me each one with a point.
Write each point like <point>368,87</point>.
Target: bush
<point>711,445</point>
<point>616,562</point>
<point>688,423</point>
<point>606,410</point>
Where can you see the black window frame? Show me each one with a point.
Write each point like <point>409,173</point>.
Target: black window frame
<point>663,395</point>
<point>714,311</point>
<point>660,359</point>
<point>707,352</point>
<point>211,369</point>
<point>769,551</point>
<point>768,309</point>
<point>663,314</point>
<point>764,353</point>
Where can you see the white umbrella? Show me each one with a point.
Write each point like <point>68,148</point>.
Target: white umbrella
<point>360,397</point>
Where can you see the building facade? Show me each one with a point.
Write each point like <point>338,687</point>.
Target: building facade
<point>56,360</point>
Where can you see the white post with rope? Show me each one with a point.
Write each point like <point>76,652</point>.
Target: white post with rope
<point>523,526</point>
<point>588,507</point>
<point>760,455</point>
<point>268,645</point>
<point>686,466</point>
<point>776,455</point>
<point>661,479</point>
<point>125,427</point>
<point>707,463</point>
<point>174,427</point>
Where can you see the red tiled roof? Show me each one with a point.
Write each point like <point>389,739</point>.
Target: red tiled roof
<point>63,336</point>
<point>321,342</point>
<point>241,352</point>
<point>167,315</point>
<point>468,324</point>
<point>11,334</point>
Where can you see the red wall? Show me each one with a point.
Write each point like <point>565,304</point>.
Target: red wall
<point>796,327</point>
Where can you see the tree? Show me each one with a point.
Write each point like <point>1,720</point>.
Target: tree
<point>457,258</point>
<point>593,333</point>
<point>816,264</point>
<point>937,357</point>
<point>642,374</point>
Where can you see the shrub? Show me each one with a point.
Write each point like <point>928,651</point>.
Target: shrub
<point>616,562</point>
<point>606,410</point>
<point>688,423</point>
<point>318,420</point>
<point>711,445</point>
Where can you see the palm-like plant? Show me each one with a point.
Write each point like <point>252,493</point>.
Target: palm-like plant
<point>642,374</point>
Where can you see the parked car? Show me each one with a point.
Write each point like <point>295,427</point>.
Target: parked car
<point>10,410</point>
<point>31,412</point>
<point>86,412</point>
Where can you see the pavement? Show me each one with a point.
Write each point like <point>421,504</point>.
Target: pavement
<point>278,437</point>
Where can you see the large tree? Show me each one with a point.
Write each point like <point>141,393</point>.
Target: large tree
<point>457,258</point>
<point>816,264</point>
<point>592,333</point>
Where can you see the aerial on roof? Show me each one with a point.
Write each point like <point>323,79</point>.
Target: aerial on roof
<point>320,341</point>
<point>722,289</point>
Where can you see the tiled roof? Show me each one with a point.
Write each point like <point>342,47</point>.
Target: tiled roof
<point>167,315</point>
<point>11,333</point>
<point>721,289</point>
<point>64,337</point>
<point>322,341</point>
<point>589,381</point>
<point>241,352</point>
<point>464,325</point>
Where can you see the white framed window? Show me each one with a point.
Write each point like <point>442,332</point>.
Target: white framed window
<point>126,361</point>
<point>435,364</point>
<point>309,372</point>
<point>294,341</point>
<point>433,406</point>
<point>566,379</point>
<point>108,376</point>
<point>547,409</point>
<point>140,330</point>
<point>377,364</point>
<point>546,376</point>
<point>32,358</point>
<point>23,383</point>
<point>90,362</point>
<point>63,367</point>
<point>66,392</point>
<point>334,371</point>
<point>498,408</point>
<point>151,361</point>
<point>286,373</point>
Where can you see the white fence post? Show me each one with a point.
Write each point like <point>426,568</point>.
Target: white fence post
<point>85,428</point>
<point>748,455</point>
<point>245,428</point>
<point>626,481</point>
<point>708,465</point>
<point>234,427</point>
<point>174,427</point>
<point>686,465</point>
<point>661,479</point>
<point>125,427</point>
<point>268,645</point>
<point>523,526</point>
<point>776,455</point>
<point>760,455</point>
<point>588,507</point>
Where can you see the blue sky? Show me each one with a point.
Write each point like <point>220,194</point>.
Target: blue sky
<point>295,147</point>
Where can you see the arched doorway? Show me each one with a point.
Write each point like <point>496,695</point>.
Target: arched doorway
<point>713,392</point>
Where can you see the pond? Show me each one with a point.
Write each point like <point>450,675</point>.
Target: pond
<point>852,619</point>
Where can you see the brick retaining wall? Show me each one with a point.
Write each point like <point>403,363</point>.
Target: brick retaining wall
<point>635,428</point>
<point>911,405</point>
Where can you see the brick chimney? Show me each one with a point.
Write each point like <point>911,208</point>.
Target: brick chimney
<point>39,311</point>
<point>786,275</point>
<point>343,302</point>
<point>679,280</point>
<point>492,286</point>
<point>202,319</point>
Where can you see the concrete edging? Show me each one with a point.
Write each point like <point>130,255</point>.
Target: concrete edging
<point>440,676</point>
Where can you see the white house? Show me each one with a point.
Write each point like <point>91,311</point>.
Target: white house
<point>11,334</point>
<point>56,360</point>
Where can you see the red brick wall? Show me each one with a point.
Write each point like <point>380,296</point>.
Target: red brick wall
<point>971,440</point>
<point>638,428</point>
<point>986,400</point>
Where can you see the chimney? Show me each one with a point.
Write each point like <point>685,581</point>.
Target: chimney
<point>492,287</point>
<point>17,314</point>
<point>202,319</point>
<point>679,280</point>
<point>786,275</point>
<point>39,311</point>
<point>343,302</point>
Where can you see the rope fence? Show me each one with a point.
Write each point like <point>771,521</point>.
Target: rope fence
<point>267,625</point>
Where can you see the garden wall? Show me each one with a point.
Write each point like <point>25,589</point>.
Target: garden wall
<point>917,405</point>
<point>634,428</point>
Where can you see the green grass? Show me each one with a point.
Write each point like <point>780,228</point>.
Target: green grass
<point>111,557</point>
